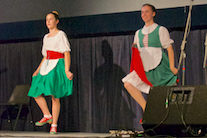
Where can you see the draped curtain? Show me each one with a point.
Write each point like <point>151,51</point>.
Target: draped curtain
<point>99,101</point>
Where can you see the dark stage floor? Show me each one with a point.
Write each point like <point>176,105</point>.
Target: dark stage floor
<point>37,134</point>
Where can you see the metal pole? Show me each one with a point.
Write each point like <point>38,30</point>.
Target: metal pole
<point>204,61</point>
<point>185,35</point>
<point>183,73</point>
<point>183,54</point>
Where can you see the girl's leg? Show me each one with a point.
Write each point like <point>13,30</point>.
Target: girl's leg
<point>55,114</point>
<point>40,100</point>
<point>55,109</point>
<point>136,94</point>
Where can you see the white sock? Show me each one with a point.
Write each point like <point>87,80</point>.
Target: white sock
<point>48,116</point>
<point>54,125</point>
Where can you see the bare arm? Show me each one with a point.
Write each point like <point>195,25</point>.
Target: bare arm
<point>171,60</point>
<point>38,69</point>
<point>67,65</point>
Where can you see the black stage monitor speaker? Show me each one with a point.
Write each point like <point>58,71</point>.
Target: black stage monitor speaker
<point>172,105</point>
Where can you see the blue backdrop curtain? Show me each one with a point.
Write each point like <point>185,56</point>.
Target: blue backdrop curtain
<point>99,101</point>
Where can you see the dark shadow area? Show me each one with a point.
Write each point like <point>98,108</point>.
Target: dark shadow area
<point>3,70</point>
<point>9,115</point>
<point>111,100</point>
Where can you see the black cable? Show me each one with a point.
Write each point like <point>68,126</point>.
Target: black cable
<point>152,129</point>
<point>168,98</point>
<point>188,128</point>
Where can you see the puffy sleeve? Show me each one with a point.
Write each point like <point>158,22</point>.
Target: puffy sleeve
<point>44,53</point>
<point>136,39</point>
<point>64,44</point>
<point>165,37</point>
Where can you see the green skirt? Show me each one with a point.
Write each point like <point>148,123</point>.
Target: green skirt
<point>54,83</point>
<point>162,75</point>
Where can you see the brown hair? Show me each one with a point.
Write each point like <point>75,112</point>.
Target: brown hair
<point>55,13</point>
<point>153,7</point>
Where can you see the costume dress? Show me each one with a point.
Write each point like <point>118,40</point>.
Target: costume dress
<point>51,79</point>
<point>149,42</point>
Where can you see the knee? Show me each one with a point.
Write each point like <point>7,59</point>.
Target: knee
<point>55,100</point>
<point>39,97</point>
<point>127,85</point>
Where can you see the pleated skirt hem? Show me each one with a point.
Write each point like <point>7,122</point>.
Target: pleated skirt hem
<point>55,83</point>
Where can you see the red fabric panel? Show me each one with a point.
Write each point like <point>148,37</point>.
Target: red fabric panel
<point>136,64</point>
<point>54,55</point>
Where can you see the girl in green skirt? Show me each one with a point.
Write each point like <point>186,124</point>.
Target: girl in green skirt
<point>158,68</point>
<point>52,77</point>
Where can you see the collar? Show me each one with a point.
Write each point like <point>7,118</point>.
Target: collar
<point>149,29</point>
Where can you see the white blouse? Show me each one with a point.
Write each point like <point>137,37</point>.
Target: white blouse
<point>151,56</point>
<point>58,43</point>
